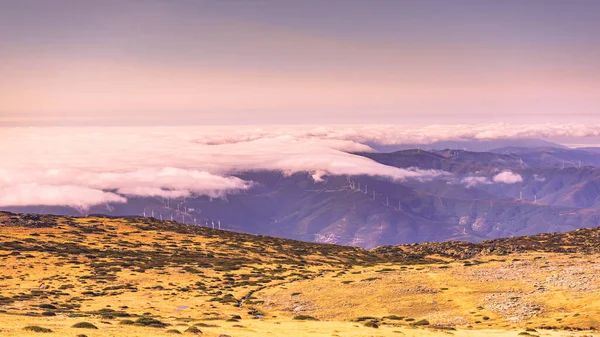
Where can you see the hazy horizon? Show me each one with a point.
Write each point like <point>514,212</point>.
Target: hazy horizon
<point>183,62</point>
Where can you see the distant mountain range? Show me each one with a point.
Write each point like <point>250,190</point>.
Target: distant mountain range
<point>469,145</point>
<point>506,191</point>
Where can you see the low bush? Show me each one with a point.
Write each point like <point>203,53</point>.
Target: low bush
<point>371,324</point>
<point>420,322</point>
<point>173,331</point>
<point>84,325</point>
<point>35,328</point>
<point>204,325</point>
<point>150,322</point>
<point>193,330</point>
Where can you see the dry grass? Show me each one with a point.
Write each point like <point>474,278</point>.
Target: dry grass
<point>104,271</point>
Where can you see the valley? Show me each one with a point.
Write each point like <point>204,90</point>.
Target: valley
<point>462,196</point>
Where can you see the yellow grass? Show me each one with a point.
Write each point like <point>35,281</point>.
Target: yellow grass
<point>131,268</point>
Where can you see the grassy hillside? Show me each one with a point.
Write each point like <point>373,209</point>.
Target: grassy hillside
<point>141,277</point>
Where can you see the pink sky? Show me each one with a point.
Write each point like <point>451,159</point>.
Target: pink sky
<point>179,63</point>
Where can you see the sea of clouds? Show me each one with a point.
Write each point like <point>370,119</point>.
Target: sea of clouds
<point>85,166</point>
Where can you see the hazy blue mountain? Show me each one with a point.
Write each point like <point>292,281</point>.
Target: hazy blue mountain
<point>469,145</point>
<point>384,212</point>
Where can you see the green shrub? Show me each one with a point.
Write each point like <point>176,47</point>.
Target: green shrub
<point>150,322</point>
<point>365,318</point>
<point>305,318</point>
<point>371,324</point>
<point>420,322</point>
<point>84,325</point>
<point>127,322</point>
<point>193,330</point>
<point>173,331</point>
<point>204,325</point>
<point>36,328</point>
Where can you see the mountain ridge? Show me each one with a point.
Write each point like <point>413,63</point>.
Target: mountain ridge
<point>465,201</point>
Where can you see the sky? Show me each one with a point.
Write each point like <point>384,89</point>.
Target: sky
<point>193,62</point>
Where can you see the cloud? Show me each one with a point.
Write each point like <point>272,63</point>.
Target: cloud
<point>82,167</point>
<point>77,197</point>
<point>474,181</point>
<point>86,166</point>
<point>507,177</point>
<point>402,134</point>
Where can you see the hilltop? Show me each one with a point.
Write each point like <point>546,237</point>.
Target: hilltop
<point>145,277</point>
<point>583,241</point>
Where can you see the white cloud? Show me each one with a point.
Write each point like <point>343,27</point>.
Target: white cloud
<point>402,134</point>
<point>100,165</point>
<point>507,177</point>
<point>52,195</point>
<point>473,181</point>
<point>85,166</point>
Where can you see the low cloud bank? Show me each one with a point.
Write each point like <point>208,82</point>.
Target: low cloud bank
<point>508,177</point>
<point>474,181</point>
<point>504,177</point>
<point>83,167</point>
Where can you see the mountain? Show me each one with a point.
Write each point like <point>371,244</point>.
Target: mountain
<point>553,157</point>
<point>589,149</point>
<point>108,276</point>
<point>479,145</point>
<point>467,202</point>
